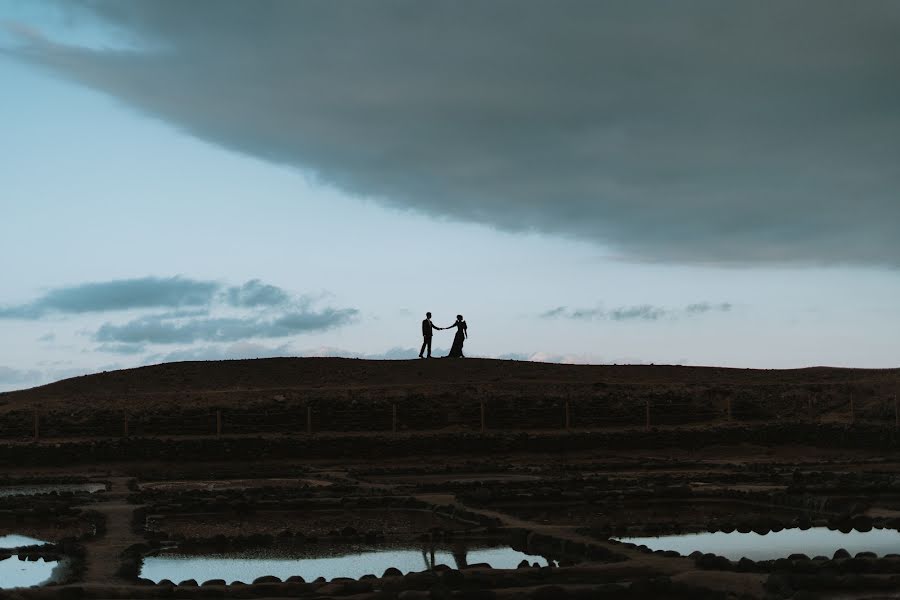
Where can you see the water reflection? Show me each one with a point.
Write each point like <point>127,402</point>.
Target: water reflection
<point>49,488</point>
<point>15,572</point>
<point>817,541</point>
<point>17,541</point>
<point>322,561</point>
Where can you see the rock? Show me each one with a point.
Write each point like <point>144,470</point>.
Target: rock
<point>392,572</point>
<point>266,579</point>
<point>745,565</point>
<point>713,562</point>
<point>332,589</point>
<point>840,553</point>
<point>550,592</point>
<point>477,595</point>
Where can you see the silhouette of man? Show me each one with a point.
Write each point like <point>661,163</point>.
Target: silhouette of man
<point>427,330</point>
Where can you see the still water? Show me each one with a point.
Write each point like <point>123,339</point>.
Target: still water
<point>17,541</point>
<point>347,562</point>
<point>49,488</point>
<point>817,541</point>
<point>22,573</point>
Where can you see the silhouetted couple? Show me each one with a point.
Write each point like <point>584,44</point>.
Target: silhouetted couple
<point>456,351</point>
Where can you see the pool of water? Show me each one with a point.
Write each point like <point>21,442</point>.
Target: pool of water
<point>21,573</point>
<point>323,562</point>
<point>17,541</point>
<point>817,541</point>
<point>49,488</point>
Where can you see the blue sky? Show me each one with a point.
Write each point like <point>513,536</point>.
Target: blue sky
<point>110,188</point>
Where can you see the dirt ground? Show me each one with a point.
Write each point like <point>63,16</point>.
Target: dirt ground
<point>561,494</point>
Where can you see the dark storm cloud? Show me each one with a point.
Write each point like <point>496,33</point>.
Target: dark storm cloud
<point>123,294</point>
<point>695,132</point>
<point>156,329</point>
<point>642,312</point>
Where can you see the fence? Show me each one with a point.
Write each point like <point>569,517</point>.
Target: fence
<point>480,415</point>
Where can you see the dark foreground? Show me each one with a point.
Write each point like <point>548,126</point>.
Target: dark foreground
<point>552,460</point>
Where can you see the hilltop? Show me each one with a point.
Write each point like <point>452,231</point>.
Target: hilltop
<point>261,382</point>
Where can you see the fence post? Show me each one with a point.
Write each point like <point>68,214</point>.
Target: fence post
<point>37,425</point>
<point>218,423</point>
<point>309,419</point>
<point>394,418</point>
<point>647,407</point>
<point>568,421</point>
<point>482,417</point>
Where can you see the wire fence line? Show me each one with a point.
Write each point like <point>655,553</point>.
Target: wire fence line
<point>472,415</point>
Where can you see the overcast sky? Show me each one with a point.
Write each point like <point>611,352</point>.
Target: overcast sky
<point>696,182</point>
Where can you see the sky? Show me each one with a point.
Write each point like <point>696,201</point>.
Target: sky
<point>698,183</point>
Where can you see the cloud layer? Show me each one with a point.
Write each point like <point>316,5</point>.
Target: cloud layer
<point>180,310</point>
<point>11,377</point>
<point>641,312</point>
<point>699,132</point>
<point>124,294</point>
<point>159,329</point>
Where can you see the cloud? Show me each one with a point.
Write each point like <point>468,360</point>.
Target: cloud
<point>395,353</point>
<point>121,348</point>
<point>238,350</point>
<point>553,312</point>
<point>255,293</point>
<point>10,376</point>
<point>157,329</point>
<point>764,132</point>
<point>643,312</point>
<point>185,297</point>
<point>569,359</point>
<point>705,307</point>
<point>123,294</point>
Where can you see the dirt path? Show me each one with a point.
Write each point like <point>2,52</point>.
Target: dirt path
<point>103,553</point>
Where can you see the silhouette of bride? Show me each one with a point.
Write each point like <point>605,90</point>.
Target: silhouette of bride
<point>456,351</point>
